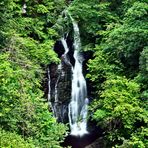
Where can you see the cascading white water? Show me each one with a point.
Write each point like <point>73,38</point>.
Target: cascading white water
<point>56,84</point>
<point>65,45</point>
<point>49,91</point>
<point>77,109</point>
<point>79,101</point>
<point>63,40</point>
<point>24,8</point>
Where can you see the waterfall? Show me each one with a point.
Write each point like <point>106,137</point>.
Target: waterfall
<point>63,40</point>
<point>24,8</point>
<point>79,101</point>
<point>78,106</point>
<point>56,84</point>
<point>49,90</point>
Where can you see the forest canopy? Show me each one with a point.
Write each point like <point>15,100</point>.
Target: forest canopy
<point>114,31</point>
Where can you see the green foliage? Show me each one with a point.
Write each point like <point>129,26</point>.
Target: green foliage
<point>25,51</point>
<point>118,71</point>
<point>137,140</point>
<point>106,65</point>
<point>118,110</point>
<point>114,30</point>
<point>143,65</point>
<point>13,140</point>
<point>22,106</point>
<point>100,114</point>
<point>124,42</point>
<point>91,16</point>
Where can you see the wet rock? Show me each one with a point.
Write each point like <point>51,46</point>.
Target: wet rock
<point>98,143</point>
<point>60,92</point>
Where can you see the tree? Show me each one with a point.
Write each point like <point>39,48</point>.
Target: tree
<point>26,50</point>
<point>118,72</point>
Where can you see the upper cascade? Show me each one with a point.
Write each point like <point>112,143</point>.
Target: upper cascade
<point>66,48</point>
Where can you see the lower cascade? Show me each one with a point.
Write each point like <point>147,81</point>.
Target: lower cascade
<point>79,101</point>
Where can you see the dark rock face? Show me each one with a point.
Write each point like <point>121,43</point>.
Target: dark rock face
<point>98,143</point>
<point>60,84</point>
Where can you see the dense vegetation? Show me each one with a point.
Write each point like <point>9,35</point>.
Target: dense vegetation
<point>119,69</point>
<point>26,50</point>
<point>115,31</point>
